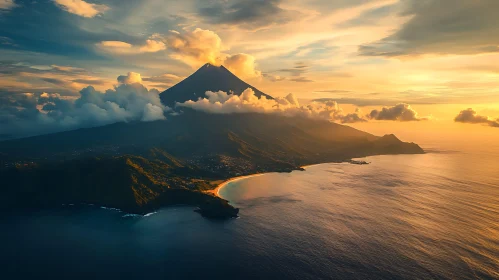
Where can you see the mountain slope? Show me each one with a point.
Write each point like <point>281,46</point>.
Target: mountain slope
<point>144,166</point>
<point>198,135</point>
<point>206,78</point>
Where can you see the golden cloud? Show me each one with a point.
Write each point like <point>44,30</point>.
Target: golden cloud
<point>81,8</point>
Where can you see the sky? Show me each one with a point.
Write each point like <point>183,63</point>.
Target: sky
<point>434,62</point>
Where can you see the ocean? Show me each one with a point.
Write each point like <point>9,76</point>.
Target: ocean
<point>431,216</point>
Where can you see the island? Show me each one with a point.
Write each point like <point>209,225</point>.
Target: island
<point>141,166</point>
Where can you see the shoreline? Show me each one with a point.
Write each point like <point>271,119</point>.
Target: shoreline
<point>216,191</point>
<point>311,165</point>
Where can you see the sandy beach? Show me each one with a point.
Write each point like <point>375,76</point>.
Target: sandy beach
<point>216,191</point>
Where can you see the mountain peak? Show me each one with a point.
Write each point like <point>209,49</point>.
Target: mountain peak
<point>209,64</point>
<point>390,137</point>
<point>207,78</point>
<point>212,67</point>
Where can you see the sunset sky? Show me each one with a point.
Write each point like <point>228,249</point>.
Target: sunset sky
<point>440,57</point>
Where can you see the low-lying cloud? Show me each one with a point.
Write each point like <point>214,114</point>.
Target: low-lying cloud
<point>26,114</point>
<point>470,116</point>
<point>223,103</point>
<point>226,103</point>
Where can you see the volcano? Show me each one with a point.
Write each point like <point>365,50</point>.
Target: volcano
<point>207,78</point>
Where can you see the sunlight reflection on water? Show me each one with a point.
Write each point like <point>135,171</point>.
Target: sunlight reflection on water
<point>417,216</point>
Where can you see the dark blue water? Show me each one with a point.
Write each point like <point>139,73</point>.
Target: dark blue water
<point>433,216</point>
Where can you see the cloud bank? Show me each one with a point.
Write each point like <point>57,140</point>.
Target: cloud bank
<point>224,103</point>
<point>26,114</point>
<point>470,116</point>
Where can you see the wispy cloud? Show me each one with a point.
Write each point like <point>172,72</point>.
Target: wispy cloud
<point>117,47</point>
<point>442,27</point>
<point>82,8</point>
<point>247,14</point>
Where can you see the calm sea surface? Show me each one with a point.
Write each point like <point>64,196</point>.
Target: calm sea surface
<point>432,216</point>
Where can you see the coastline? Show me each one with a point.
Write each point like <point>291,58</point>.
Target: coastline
<point>310,165</point>
<point>216,191</point>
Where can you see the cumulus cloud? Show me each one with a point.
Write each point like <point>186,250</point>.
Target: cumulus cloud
<point>223,103</point>
<point>200,46</point>
<point>81,8</point>
<point>354,117</point>
<point>152,46</point>
<point>195,48</point>
<point>152,113</point>
<point>470,116</point>
<point>400,112</point>
<point>130,78</point>
<point>25,114</point>
<point>243,65</point>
